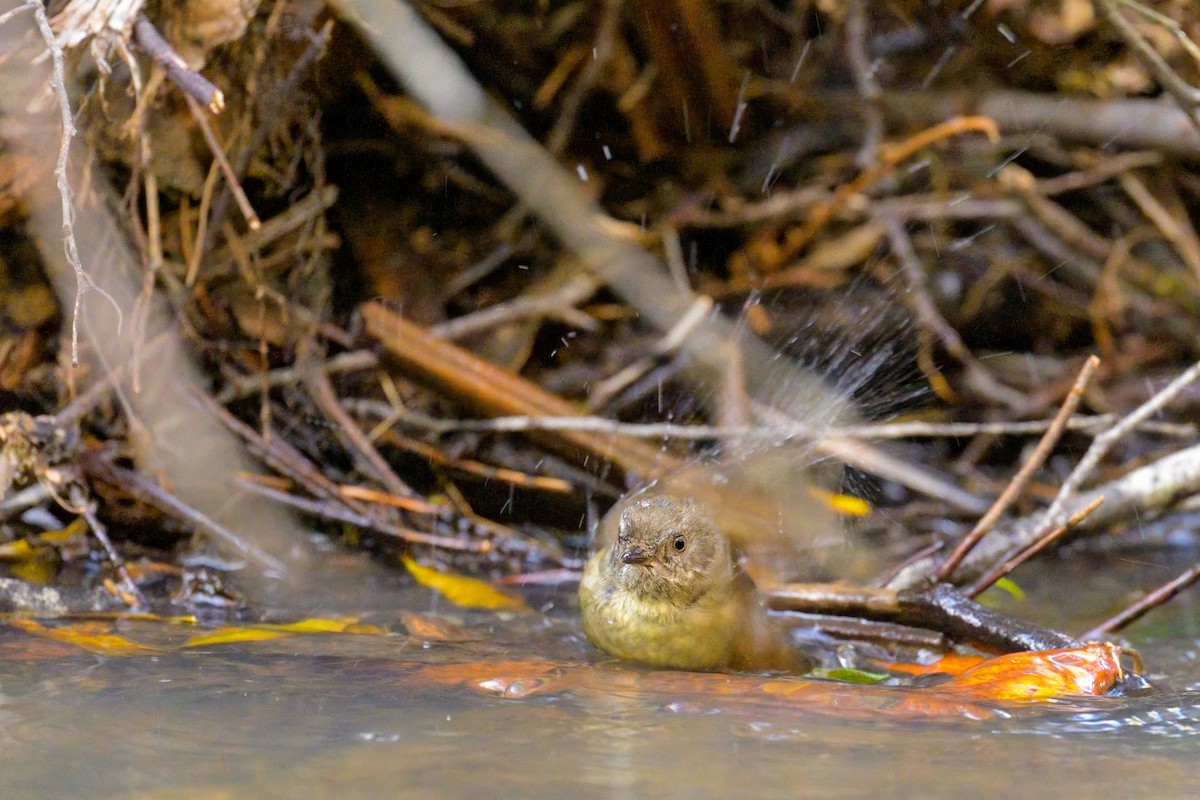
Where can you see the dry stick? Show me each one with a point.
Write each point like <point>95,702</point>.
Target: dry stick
<point>925,480</point>
<point>1155,485</point>
<point>933,320</point>
<point>145,490</point>
<point>864,81</point>
<point>1104,442</point>
<point>1152,600</point>
<point>671,430</point>
<point>1025,474</point>
<point>600,53</point>
<point>83,281</point>
<point>341,512</point>
<point>87,509</point>
<point>889,634</point>
<point>988,578</point>
<point>559,303</point>
<point>1185,96</point>
<point>941,608</point>
<point>496,391</point>
<point>241,386</point>
<point>1131,123</point>
<point>663,349</point>
<point>231,180</point>
<point>1178,231</point>
<point>280,455</point>
<point>320,389</point>
<point>889,157</point>
<point>194,85</point>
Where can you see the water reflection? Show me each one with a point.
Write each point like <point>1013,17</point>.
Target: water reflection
<point>346,716</point>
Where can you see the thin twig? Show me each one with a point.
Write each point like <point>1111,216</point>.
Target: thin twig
<point>865,82</point>
<point>1186,97</point>
<point>368,459</point>
<point>926,310</point>
<point>1025,474</point>
<point>194,85</point>
<point>231,180</point>
<point>87,509</point>
<point>671,430</point>
<point>1150,601</point>
<point>342,513</point>
<point>83,281</point>
<point>144,489</point>
<point>1105,441</point>
<point>1009,564</point>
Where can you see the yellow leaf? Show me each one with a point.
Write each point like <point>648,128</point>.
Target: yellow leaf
<point>316,625</point>
<point>463,591</point>
<point>263,631</point>
<point>842,503</point>
<point>90,636</point>
<point>231,635</point>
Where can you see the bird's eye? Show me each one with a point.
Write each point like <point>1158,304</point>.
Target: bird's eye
<point>680,543</point>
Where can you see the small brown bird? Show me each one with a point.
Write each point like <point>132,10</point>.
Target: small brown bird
<point>668,592</point>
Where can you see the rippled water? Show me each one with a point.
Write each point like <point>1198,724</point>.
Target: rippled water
<point>537,713</point>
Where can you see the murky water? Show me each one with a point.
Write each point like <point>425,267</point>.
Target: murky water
<point>536,713</point>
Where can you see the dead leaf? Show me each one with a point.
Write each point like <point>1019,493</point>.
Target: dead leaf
<point>463,591</point>
<point>94,637</point>
<point>1089,670</point>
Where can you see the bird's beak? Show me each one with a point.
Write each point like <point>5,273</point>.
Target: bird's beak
<point>634,555</point>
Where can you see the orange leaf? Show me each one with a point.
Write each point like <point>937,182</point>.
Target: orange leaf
<point>432,629</point>
<point>950,664</point>
<point>1092,669</point>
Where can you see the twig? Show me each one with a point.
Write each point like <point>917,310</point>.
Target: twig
<point>941,608</point>
<point>1153,486</point>
<point>368,459</point>
<point>1025,474</point>
<point>87,509</point>
<point>342,513</point>
<point>1009,564</point>
<point>933,320</point>
<point>241,386</point>
<point>1185,96</point>
<point>83,281</point>
<point>497,391</point>
<point>1104,442</point>
<point>890,156</point>
<point>194,85</point>
<point>143,489</point>
<point>1150,601</point>
<point>662,350</point>
<point>670,430</point>
<point>925,480</point>
<point>865,83</point>
<point>559,303</point>
<point>599,53</point>
<point>231,180</point>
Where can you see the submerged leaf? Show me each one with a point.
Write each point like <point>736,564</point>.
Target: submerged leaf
<point>1089,670</point>
<point>93,637</point>
<point>263,631</point>
<point>848,675</point>
<point>232,634</point>
<point>463,591</point>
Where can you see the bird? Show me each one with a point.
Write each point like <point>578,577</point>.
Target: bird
<point>667,591</point>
